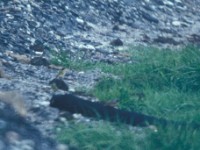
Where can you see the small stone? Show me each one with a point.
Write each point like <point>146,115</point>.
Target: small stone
<point>159,2</point>
<point>62,119</point>
<point>71,89</point>
<point>2,124</point>
<point>150,18</point>
<point>116,28</point>
<point>2,145</point>
<point>39,61</point>
<point>168,3</point>
<point>79,20</point>
<point>147,1</point>
<point>117,42</point>
<point>39,53</point>
<point>81,72</point>
<point>28,142</point>
<point>62,147</point>
<point>87,47</point>
<point>176,23</point>
<point>165,40</point>
<point>194,38</point>
<point>178,1</point>
<point>12,137</point>
<point>29,8</point>
<point>44,103</point>
<point>153,128</point>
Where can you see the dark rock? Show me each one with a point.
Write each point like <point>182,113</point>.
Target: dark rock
<point>116,27</point>
<point>159,2</point>
<point>149,17</point>
<point>59,83</point>
<point>39,61</point>
<point>3,124</point>
<point>165,40</point>
<point>194,38</point>
<point>145,38</point>
<point>117,42</point>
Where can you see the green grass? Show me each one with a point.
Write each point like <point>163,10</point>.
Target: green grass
<point>63,59</point>
<point>101,135</point>
<point>162,83</point>
<point>106,136</point>
<point>173,138</point>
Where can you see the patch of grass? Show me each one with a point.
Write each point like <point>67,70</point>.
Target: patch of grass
<point>170,103</point>
<point>162,68</point>
<point>128,97</point>
<point>162,83</point>
<point>63,59</point>
<point>159,72</point>
<point>101,135</point>
<point>173,138</point>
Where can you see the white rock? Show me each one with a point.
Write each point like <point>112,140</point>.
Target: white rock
<point>176,23</point>
<point>2,124</point>
<point>79,20</point>
<point>39,53</point>
<point>12,137</point>
<point>72,89</point>
<point>10,16</point>
<point>29,8</point>
<point>168,3</point>
<point>28,142</point>
<point>62,119</point>
<point>178,1</point>
<point>89,47</point>
<point>62,147</point>
<point>44,103</point>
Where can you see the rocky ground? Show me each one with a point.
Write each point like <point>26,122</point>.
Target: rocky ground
<point>93,29</point>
